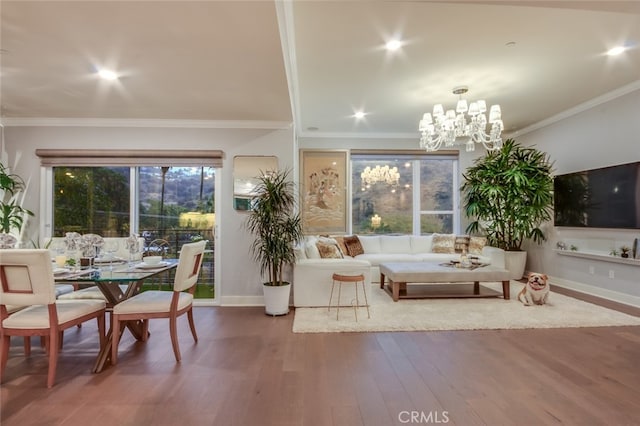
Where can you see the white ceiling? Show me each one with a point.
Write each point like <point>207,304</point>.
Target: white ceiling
<point>266,64</point>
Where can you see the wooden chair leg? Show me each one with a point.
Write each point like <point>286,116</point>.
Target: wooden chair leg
<point>173,330</point>
<point>115,337</point>
<point>27,346</point>
<point>145,330</point>
<point>192,324</point>
<point>53,356</point>
<point>4,353</point>
<point>101,330</point>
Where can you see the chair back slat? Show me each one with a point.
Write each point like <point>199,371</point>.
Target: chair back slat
<point>189,265</point>
<point>27,277</point>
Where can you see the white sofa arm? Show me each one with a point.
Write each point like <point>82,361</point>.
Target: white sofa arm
<point>496,255</point>
<point>312,280</point>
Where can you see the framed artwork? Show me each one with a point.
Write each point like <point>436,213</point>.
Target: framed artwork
<point>323,181</point>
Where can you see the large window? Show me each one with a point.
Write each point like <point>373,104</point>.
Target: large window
<point>175,204</point>
<point>404,194</point>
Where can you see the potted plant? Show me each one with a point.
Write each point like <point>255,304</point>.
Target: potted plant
<point>509,194</point>
<point>277,228</point>
<point>12,214</point>
<point>624,251</point>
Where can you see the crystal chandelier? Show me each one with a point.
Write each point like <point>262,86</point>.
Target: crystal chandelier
<point>383,174</point>
<point>454,128</point>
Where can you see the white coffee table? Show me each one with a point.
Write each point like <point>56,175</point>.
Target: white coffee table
<point>400,274</point>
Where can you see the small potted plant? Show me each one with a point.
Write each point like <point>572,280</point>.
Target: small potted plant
<point>624,251</point>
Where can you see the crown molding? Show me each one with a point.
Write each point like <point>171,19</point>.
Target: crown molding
<point>152,123</point>
<point>621,91</point>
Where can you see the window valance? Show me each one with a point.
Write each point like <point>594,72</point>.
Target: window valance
<point>129,157</point>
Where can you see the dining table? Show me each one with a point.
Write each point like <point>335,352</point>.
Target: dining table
<point>109,276</point>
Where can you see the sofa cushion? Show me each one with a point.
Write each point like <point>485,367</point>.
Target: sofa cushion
<point>395,244</point>
<point>443,243</point>
<point>421,243</point>
<point>299,251</point>
<point>370,243</point>
<point>376,259</point>
<point>476,244</point>
<point>310,248</point>
<point>354,247</point>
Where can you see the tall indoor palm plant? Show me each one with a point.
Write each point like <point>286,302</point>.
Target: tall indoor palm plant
<point>277,228</point>
<point>509,193</point>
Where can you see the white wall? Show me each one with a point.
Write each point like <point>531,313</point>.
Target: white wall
<point>604,135</point>
<point>240,279</point>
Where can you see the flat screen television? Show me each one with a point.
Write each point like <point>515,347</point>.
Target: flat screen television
<point>608,197</point>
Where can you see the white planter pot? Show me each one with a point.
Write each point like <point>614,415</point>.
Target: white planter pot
<point>276,299</point>
<point>515,262</point>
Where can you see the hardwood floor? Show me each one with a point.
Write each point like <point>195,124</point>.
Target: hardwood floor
<point>250,369</point>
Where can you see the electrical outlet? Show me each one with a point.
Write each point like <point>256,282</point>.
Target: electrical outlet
<point>592,270</point>
<point>611,274</point>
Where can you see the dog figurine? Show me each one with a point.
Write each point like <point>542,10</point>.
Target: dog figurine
<point>535,291</point>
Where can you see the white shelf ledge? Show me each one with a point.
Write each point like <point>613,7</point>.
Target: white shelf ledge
<point>598,256</point>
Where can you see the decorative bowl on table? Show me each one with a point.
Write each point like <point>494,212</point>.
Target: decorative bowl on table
<point>152,260</point>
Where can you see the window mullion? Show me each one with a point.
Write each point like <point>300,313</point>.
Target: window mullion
<point>134,209</point>
<point>416,197</point>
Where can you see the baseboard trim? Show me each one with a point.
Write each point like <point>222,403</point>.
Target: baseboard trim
<point>613,296</point>
<point>242,301</point>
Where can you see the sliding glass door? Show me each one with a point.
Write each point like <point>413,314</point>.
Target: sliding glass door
<point>172,204</point>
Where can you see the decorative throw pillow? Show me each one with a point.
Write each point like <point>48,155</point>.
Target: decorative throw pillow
<point>341,245</point>
<point>354,247</point>
<point>461,244</point>
<point>476,244</point>
<point>328,250</point>
<point>443,243</point>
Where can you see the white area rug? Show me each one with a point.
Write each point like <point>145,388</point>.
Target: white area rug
<point>459,314</point>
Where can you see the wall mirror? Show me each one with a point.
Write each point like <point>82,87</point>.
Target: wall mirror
<point>245,170</point>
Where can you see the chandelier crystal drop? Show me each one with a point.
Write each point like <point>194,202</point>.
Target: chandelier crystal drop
<point>448,129</point>
<point>383,174</point>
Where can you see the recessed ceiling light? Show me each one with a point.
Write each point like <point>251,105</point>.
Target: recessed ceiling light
<point>107,74</point>
<point>393,45</point>
<point>359,114</point>
<point>616,50</point>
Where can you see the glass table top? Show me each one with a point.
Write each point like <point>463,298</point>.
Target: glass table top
<point>118,272</point>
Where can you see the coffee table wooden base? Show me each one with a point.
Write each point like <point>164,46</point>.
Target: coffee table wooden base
<point>441,291</point>
<point>402,273</point>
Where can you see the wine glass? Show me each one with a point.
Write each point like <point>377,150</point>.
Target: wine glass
<point>110,247</point>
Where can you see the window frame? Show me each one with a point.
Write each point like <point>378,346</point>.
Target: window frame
<point>415,157</point>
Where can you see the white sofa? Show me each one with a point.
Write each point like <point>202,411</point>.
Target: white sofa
<point>312,275</point>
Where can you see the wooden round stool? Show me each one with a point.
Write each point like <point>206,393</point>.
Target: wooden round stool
<point>355,279</point>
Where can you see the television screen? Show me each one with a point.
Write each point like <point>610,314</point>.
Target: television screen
<point>608,197</point>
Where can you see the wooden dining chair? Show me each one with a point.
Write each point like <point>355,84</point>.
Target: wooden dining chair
<point>27,280</point>
<point>163,304</point>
